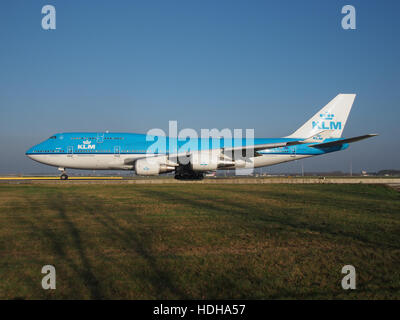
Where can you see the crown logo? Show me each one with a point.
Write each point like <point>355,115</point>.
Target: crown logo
<point>327,116</point>
<point>87,142</point>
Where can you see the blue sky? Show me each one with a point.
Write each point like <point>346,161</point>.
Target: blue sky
<point>134,65</point>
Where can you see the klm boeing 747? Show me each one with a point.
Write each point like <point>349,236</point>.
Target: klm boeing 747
<point>151,155</point>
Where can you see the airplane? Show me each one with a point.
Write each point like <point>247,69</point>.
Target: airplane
<point>321,134</point>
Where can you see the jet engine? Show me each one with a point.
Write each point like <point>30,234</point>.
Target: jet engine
<point>151,167</point>
<point>208,161</point>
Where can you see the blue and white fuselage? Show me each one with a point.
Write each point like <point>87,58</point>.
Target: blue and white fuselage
<point>105,151</point>
<point>131,151</point>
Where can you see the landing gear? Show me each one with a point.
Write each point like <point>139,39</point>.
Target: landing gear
<point>64,175</point>
<point>196,176</point>
<point>186,173</point>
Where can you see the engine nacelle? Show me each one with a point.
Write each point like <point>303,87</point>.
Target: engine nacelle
<point>204,161</point>
<point>147,167</point>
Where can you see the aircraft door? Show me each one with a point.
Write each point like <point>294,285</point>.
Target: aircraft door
<point>116,151</point>
<point>100,137</point>
<point>70,151</point>
<point>293,152</point>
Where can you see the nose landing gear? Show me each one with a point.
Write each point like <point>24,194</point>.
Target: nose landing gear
<point>64,175</point>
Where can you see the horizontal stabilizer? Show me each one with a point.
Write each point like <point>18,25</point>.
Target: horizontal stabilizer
<point>343,141</point>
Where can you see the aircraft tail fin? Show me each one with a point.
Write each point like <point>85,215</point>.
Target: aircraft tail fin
<point>331,118</point>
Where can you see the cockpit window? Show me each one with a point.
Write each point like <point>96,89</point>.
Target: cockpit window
<point>52,137</point>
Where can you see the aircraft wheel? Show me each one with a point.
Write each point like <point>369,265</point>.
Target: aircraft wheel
<point>189,176</point>
<point>64,177</point>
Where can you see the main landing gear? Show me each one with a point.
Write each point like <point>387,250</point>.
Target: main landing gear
<point>186,173</point>
<point>195,176</point>
<point>64,175</point>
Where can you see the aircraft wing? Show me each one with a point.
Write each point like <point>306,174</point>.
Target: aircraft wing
<point>343,141</point>
<point>172,158</point>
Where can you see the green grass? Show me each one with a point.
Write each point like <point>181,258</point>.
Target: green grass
<point>191,241</point>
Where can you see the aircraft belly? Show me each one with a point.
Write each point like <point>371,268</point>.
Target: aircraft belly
<point>85,161</point>
<point>271,159</point>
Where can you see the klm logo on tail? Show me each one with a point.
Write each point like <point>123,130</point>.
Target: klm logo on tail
<point>331,117</point>
<point>325,122</point>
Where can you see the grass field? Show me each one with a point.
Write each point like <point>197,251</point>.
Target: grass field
<point>199,241</point>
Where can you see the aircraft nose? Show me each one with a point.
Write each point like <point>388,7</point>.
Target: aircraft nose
<point>29,152</point>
